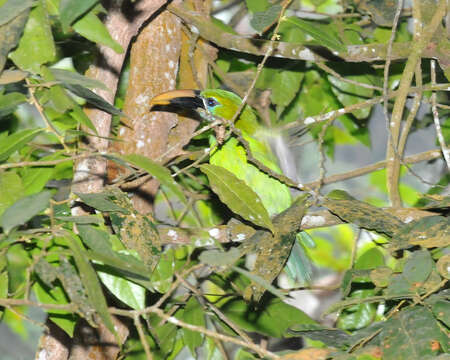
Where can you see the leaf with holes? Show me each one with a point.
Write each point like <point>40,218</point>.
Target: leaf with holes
<point>430,231</point>
<point>410,335</point>
<point>362,214</point>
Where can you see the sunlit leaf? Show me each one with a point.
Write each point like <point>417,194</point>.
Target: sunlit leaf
<point>16,141</point>
<point>126,291</point>
<point>237,195</point>
<point>36,46</point>
<point>13,190</point>
<point>91,27</point>
<point>70,10</point>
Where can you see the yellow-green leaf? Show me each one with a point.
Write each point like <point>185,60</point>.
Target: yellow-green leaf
<point>237,195</point>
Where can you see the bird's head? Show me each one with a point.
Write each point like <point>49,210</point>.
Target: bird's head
<point>217,102</point>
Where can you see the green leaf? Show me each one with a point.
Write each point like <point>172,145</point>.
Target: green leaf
<point>274,195</point>
<point>441,309</point>
<point>99,241</point>
<point>298,266</point>
<point>193,314</point>
<point>357,316</point>
<point>361,214</point>
<point>414,329</point>
<point>16,141</point>
<point>102,202</point>
<point>418,267</point>
<point>4,281</point>
<point>324,34</point>
<point>237,195</point>
<point>350,94</point>
<point>90,27</point>
<point>81,117</point>
<point>64,319</point>
<point>220,258</point>
<point>262,20</point>
<point>12,189</point>
<point>257,5</point>
<point>161,173</point>
<point>93,99</point>
<point>91,282</point>
<point>430,231</point>
<point>126,291</point>
<point>36,177</point>
<point>260,281</point>
<point>285,86</point>
<point>36,46</point>
<point>371,259</point>
<point>272,318</point>
<point>70,77</point>
<point>10,34</point>
<point>13,8</point>
<point>70,10</point>
<point>24,209</point>
<point>163,274</point>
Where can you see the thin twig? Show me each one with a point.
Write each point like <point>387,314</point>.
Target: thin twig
<point>22,302</point>
<point>437,124</point>
<point>262,63</point>
<point>48,123</point>
<point>195,328</point>
<point>424,156</point>
<point>329,70</point>
<point>140,330</point>
<point>348,109</point>
<point>47,162</point>
<point>219,313</point>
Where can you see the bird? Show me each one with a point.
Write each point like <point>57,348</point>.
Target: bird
<point>231,155</point>
<point>274,195</point>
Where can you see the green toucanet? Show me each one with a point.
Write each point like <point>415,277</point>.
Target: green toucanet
<point>231,155</point>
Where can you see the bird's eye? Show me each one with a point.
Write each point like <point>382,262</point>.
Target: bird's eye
<point>211,102</point>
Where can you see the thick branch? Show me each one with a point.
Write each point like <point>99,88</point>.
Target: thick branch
<point>297,51</point>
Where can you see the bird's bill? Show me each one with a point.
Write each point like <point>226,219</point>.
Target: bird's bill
<point>182,98</point>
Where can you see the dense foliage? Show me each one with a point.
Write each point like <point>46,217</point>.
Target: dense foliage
<point>208,271</point>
